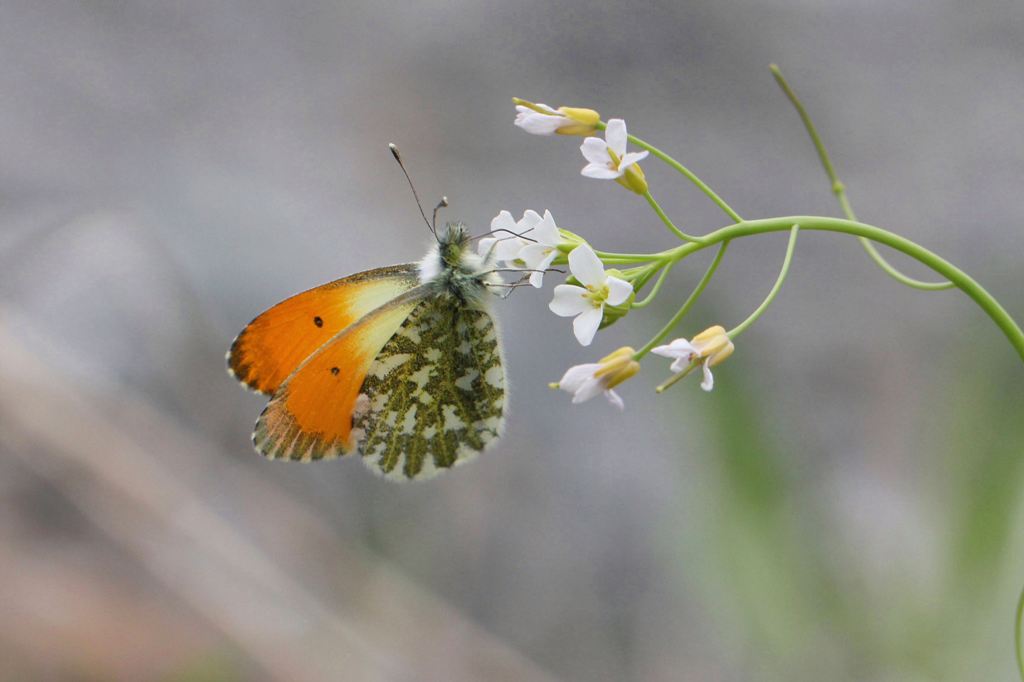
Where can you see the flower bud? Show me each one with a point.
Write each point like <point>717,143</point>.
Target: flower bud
<point>540,119</point>
<point>633,179</point>
<point>614,313</point>
<point>585,121</point>
<point>714,344</point>
<point>617,367</point>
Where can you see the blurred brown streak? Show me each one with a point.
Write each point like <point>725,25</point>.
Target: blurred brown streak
<point>137,478</point>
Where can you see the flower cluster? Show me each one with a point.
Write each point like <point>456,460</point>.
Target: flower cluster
<point>533,243</point>
<point>594,296</point>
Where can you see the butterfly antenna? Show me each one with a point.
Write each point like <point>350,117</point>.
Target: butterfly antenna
<point>398,158</point>
<point>441,204</point>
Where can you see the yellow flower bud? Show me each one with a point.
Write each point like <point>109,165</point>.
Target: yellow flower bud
<point>617,367</point>
<point>714,344</point>
<point>586,121</point>
<point>633,179</point>
<point>705,350</point>
<point>540,119</point>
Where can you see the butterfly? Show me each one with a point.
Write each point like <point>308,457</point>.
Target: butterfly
<point>401,364</point>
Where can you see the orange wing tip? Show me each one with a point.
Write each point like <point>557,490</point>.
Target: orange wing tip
<point>242,373</point>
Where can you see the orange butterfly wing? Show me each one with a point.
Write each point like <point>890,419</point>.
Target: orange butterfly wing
<point>277,341</point>
<point>310,415</point>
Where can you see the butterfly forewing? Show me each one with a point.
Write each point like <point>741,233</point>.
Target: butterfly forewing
<point>435,395</point>
<point>276,342</point>
<point>310,415</point>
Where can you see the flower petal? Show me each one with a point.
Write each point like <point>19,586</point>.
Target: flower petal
<point>545,231</point>
<point>576,375</point>
<point>631,158</point>
<point>590,388</point>
<point>503,221</point>
<point>534,254</point>
<point>619,291</point>
<point>586,266</point>
<point>537,123</point>
<point>537,278</point>
<point>586,323</point>
<point>509,248</point>
<point>709,381</point>
<point>484,248</point>
<point>615,136</point>
<point>614,399</point>
<point>528,221</point>
<point>595,150</point>
<point>680,364</point>
<point>569,300</point>
<point>678,348</point>
<point>600,172</point>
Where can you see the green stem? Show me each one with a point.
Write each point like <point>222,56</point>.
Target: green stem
<point>958,277</point>
<point>899,276</point>
<point>627,257</point>
<point>681,313</point>
<point>742,326</point>
<point>665,269</point>
<point>689,175</point>
<point>668,221</point>
<point>611,261</point>
<point>839,189</point>
<point>1017,634</point>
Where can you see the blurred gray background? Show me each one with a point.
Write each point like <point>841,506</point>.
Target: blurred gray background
<point>843,506</point>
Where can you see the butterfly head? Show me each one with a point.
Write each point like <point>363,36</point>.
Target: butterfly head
<point>453,268</point>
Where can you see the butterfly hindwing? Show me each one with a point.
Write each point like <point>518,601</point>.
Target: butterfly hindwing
<point>435,394</point>
<point>277,341</point>
<point>310,415</point>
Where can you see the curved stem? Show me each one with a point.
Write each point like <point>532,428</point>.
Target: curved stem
<point>745,324</point>
<point>681,313</point>
<point>657,286</point>
<point>891,270</point>
<point>839,189</point>
<point>958,277</point>
<point>668,221</point>
<point>689,175</point>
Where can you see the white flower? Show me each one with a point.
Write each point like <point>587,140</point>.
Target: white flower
<point>608,158</point>
<point>588,380</point>
<point>540,119</point>
<point>539,123</point>
<point>712,346</point>
<point>586,303</point>
<point>506,243</point>
<point>539,254</point>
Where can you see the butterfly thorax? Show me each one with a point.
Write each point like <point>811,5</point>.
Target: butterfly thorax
<point>452,268</point>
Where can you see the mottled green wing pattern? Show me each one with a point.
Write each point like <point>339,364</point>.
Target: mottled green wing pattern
<point>434,396</point>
